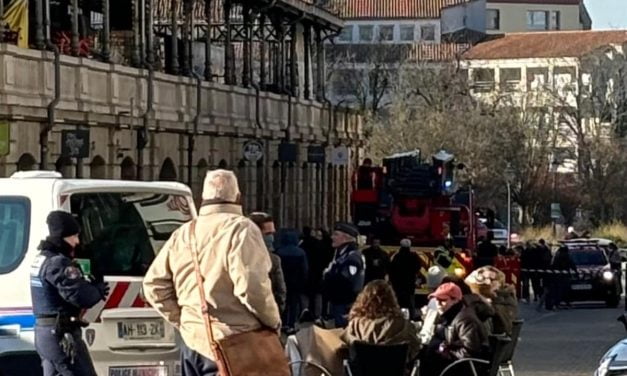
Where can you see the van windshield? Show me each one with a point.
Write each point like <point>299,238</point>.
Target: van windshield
<point>14,229</point>
<point>122,232</point>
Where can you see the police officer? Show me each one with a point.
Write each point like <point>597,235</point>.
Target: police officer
<point>59,292</point>
<point>343,279</point>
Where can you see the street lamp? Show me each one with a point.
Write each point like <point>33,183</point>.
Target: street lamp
<point>509,175</point>
<point>555,163</point>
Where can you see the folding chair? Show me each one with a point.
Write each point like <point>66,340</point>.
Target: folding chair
<point>375,360</point>
<point>303,367</point>
<point>507,367</point>
<point>498,347</point>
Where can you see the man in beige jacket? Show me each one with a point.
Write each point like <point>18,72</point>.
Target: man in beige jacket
<point>234,264</point>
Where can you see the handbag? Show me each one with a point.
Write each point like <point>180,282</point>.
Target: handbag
<point>254,353</point>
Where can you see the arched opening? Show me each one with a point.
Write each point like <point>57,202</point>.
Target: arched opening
<point>127,169</point>
<point>64,166</point>
<point>26,163</point>
<point>168,171</point>
<point>97,169</point>
<point>201,169</point>
<point>223,165</point>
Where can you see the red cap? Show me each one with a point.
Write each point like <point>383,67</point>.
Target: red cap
<point>447,290</point>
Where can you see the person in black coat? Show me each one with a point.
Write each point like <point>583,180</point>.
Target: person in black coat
<point>486,252</point>
<point>318,257</point>
<point>403,271</point>
<point>559,285</point>
<point>59,293</point>
<point>295,271</point>
<point>377,261</point>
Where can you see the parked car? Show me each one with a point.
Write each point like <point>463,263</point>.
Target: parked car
<point>594,279</point>
<point>498,229</point>
<point>614,362</point>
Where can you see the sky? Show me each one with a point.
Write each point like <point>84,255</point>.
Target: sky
<point>608,14</point>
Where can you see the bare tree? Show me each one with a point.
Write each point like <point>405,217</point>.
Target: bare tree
<point>593,117</point>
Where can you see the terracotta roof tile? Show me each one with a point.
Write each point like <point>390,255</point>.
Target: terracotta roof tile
<point>545,44</point>
<point>379,9</point>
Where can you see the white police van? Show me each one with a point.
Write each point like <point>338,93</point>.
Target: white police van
<point>123,225</point>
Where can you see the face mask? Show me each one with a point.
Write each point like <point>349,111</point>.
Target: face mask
<point>269,240</point>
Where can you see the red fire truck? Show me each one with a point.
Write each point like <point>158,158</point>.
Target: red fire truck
<point>411,198</point>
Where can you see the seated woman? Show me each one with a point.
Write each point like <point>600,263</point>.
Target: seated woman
<point>376,318</point>
<point>488,283</point>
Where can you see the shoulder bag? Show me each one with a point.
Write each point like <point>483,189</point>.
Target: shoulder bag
<point>255,353</point>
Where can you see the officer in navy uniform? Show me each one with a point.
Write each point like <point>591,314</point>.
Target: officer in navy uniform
<point>59,292</point>
<point>344,278</point>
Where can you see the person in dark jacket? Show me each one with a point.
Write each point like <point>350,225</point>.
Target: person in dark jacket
<point>59,292</point>
<point>265,222</point>
<point>529,256</point>
<point>318,258</point>
<point>486,251</point>
<point>459,334</point>
<point>377,261</point>
<point>344,278</point>
<point>295,270</point>
<point>559,283</point>
<point>404,269</point>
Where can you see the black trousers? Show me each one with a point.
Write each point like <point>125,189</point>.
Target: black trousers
<point>54,361</point>
<point>195,364</point>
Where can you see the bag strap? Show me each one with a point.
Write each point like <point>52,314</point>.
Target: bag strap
<point>199,280</point>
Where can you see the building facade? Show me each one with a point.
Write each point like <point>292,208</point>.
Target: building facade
<point>510,16</point>
<point>544,71</point>
<point>380,36</point>
<point>293,153</point>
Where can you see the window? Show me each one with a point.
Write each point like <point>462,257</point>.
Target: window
<point>483,79</point>
<point>366,32</point>
<point>408,33</point>
<point>347,34</point>
<point>386,33</point>
<point>510,79</point>
<point>427,32</point>
<point>537,20</point>
<point>537,78</point>
<point>493,19</point>
<point>122,232</point>
<point>14,230</point>
<point>555,20</point>
<point>588,257</point>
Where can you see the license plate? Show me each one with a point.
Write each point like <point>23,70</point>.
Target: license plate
<point>139,371</point>
<point>141,330</point>
<point>581,287</point>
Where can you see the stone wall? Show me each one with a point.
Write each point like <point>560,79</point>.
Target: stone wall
<point>110,100</point>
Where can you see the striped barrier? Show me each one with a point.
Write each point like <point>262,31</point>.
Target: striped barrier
<point>580,273</point>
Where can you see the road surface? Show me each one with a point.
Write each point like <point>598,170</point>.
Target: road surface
<point>567,342</point>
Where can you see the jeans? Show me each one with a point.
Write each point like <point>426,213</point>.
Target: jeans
<point>195,364</point>
<point>293,308</point>
<point>339,313</point>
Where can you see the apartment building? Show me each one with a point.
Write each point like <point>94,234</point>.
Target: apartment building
<point>544,71</point>
<point>508,16</point>
<point>381,35</point>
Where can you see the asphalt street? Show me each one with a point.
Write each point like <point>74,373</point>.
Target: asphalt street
<point>567,342</point>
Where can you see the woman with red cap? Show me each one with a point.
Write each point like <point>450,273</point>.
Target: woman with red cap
<point>458,335</point>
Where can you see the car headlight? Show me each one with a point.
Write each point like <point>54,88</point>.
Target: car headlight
<point>608,275</point>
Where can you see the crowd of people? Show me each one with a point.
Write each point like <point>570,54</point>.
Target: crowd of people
<point>226,274</point>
